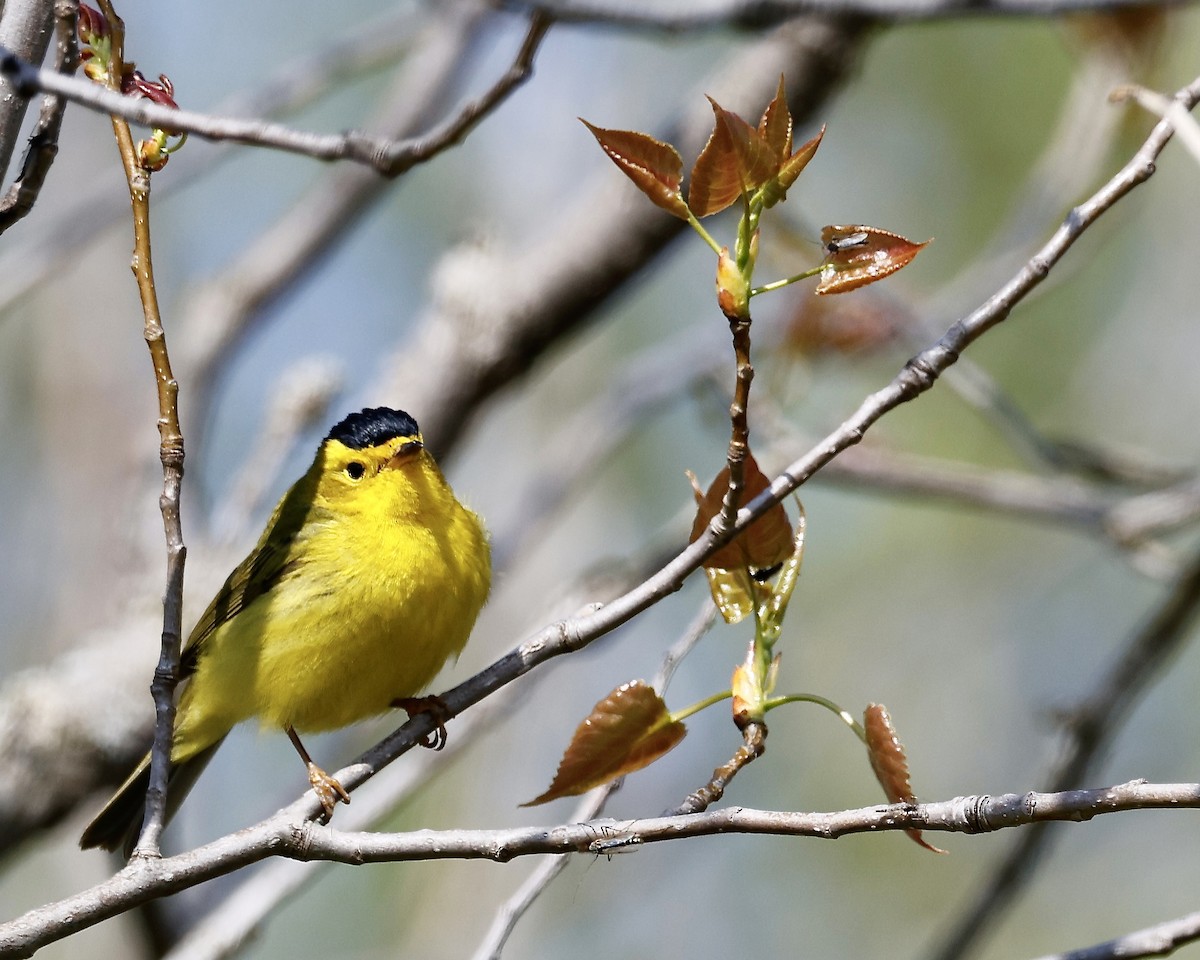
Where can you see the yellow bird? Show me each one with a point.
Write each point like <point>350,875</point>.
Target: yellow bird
<point>368,577</point>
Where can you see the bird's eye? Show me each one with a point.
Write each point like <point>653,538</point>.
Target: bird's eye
<point>355,470</point>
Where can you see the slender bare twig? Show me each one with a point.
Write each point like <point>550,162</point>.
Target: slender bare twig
<point>758,14</point>
<point>170,453</point>
<point>43,142</point>
<point>300,839</point>
<point>1159,940</point>
<point>1089,729</point>
<point>384,155</point>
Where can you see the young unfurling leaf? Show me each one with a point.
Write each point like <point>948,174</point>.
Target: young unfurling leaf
<point>791,168</point>
<point>735,161</point>
<point>775,127</point>
<point>889,762</point>
<point>655,167</point>
<point>627,730</point>
<point>858,255</point>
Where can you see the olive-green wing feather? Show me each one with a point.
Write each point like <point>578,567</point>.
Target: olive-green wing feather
<point>260,571</point>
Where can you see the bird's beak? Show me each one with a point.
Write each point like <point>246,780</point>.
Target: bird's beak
<point>404,453</point>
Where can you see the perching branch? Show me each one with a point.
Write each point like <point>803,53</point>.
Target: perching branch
<point>300,839</point>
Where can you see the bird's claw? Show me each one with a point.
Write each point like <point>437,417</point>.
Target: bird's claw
<point>436,707</point>
<point>328,790</point>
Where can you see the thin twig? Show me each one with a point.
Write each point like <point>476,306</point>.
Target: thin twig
<point>43,142</point>
<point>170,453</point>
<point>1089,729</point>
<point>300,839</point>
<point>387,157</point>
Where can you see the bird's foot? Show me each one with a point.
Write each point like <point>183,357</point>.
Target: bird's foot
<point>436,707</point>
<point>327,789</point>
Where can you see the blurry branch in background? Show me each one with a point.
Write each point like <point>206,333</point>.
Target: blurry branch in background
<point>299,401</point>
<point>1087,730</point>
<point>1160,940</point>
<point>1169,110</point>
<point>760,14</point>
<point>388,156</point>
<point>25,30</point>
<point>515,907</point>
<point>224,308</point>
<point>43,142</point>
<point>282,835</point>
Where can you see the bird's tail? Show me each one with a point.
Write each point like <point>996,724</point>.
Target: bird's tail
<point>120,822</point>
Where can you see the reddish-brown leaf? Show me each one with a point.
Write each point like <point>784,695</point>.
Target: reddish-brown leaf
<point>857,255</point>
<point>735,161</point>
<point>790,168</point>
<point>766,543</point>
<point>889,762</point>
<point>655,167</point>
<point>775,127</point>
<point>627,730</point>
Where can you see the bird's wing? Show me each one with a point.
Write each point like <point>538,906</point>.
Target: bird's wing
<point>262,569</point>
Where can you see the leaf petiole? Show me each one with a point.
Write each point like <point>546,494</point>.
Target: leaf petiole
<point>780,284</point>
<point>845,716</point>
<point>700,705</point>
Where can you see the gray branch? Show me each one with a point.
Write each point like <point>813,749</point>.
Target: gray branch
<point>290,834</point>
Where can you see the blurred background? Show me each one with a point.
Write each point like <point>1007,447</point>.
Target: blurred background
<point>973,626</point>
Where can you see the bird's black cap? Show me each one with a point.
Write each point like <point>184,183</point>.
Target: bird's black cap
<point>373,426</point>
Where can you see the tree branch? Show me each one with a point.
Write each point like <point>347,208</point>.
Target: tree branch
<point>284,835</point>
<point>386,156</point>
<point>25,30</point>
<point>43,142</point>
